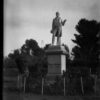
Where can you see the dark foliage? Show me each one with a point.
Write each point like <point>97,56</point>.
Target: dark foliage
<point>86,50</point>
<point>30,56</point>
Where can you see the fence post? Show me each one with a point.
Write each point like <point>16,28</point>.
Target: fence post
<point>24,83</point>
<point>64,81</point>
<point>18,82</point>
<point>42,84</point>
<point>82,85</point>
<point>64,87</point>
<point>95,82</point>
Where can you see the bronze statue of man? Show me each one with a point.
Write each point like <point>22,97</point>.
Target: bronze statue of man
<point>57,28</point>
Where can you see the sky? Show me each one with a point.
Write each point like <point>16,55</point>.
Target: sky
<point>32,19</point>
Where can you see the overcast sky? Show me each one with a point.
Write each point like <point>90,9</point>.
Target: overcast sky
<point>32,19</point>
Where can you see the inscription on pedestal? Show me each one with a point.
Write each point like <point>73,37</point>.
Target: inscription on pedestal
<point>54,69</point>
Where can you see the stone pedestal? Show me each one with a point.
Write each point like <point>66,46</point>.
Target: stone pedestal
<point>56,56</point>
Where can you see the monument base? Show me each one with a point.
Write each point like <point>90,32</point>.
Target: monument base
<point>56,57</point>
<point>50,79</point>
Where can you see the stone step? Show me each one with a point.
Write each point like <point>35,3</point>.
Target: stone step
<point>10,85</point>
<point>10,78</point>
<point>10,72</point>
<point>10,69</point>
<point>13,68</point>
<point>9,82</point>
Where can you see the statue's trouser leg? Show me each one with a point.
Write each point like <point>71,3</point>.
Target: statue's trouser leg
<point>58,40</point>
<point>53,39</point>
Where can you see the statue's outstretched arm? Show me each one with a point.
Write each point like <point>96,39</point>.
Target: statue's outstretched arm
<point>63,22</point>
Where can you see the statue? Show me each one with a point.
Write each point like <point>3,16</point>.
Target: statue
<point>57,28</point>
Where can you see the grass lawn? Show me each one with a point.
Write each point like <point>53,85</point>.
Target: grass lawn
<point>27,96</point>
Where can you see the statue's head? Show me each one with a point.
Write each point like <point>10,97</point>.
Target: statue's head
<point>57,14</point>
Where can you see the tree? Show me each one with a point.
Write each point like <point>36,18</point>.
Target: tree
<point>98,36</point>
<point>85,50</point>
<point>8,63</point>
<point>30,57</point>
<point>31,48</point>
